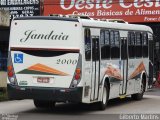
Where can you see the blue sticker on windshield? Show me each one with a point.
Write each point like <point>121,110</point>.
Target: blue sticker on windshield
<point>18,58</point>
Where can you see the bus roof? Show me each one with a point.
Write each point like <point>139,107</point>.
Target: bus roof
<point>47,18</point>
<point>114,25</point>
<point>93,23</point>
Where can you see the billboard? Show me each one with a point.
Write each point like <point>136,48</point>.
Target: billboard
<point>128,10</point>
<point>20,8</point>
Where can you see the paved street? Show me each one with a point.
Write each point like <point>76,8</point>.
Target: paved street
<point>153,91</point>
<point>25,109</point>
<point>150,104</point>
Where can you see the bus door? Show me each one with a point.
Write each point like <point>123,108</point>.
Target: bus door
<point>124,64</point>
<point>95,79</point>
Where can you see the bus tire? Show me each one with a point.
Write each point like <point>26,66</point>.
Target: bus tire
<point>44,104</point>
<point>102,104</point>
<point>139,96</point>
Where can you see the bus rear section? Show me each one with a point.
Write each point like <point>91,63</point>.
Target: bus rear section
<point>44,60</point>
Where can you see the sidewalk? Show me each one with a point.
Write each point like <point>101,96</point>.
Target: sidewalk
<point>153,91</point>
<point>3,79</point>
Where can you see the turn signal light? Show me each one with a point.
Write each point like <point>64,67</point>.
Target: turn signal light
<point>9,68</point>
<point>78,71</point>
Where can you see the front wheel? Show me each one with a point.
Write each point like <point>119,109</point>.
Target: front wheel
<point>102,104</point>
<point>44,104</point>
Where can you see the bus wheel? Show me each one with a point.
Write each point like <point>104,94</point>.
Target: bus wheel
<point>102,104</point>
<point>139,96</point>
<point>44,104</point>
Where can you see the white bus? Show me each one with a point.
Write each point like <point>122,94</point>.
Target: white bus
<point>62,59</point>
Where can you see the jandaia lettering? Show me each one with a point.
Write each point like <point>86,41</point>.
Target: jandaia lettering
<point>34,35</point>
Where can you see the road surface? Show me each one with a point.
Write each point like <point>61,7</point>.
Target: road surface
<point>116,109</point>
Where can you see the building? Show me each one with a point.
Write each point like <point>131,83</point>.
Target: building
<point>4,36</point>
<point>4,31</point>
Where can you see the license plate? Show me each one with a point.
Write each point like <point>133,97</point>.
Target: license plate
<point>43,80</point>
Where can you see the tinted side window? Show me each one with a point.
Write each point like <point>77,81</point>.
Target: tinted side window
<point>102,39</point>
<point>95,49</point>
<point>112,38</point>
<point>131,44</point>
<point>145,44</point>
<point>87,37</point>
<point>105,44</point>
<point>115,44</point>
<point>123,48</point>
<point>138,47</point>
<point>107,40</point>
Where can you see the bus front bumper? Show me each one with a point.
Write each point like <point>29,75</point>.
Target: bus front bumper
<point>40,93</point>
